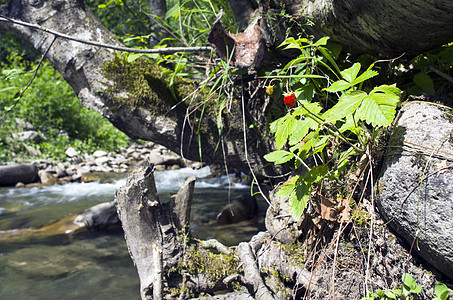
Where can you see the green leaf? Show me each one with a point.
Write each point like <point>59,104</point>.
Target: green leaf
<point>287,188</point>
<point>133,57</point>
<point>423,81</point>
<point>441,291</point>
<point>408,281</point>
<point>378,108</point>
<point>298,199</point>
<point>365,76</point>
<point>301,130</point>
<point>329,56</point>
<point>316,174</point>
<point>417,289</point>
<point>351,74</point>
<point>322,41</point>
<point>338,86</point>
<point>347,105</point>
<point>390,295</point>
<point>279,156</point>
<point>283,131</point>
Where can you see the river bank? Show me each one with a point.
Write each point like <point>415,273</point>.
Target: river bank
<point>88,167</point>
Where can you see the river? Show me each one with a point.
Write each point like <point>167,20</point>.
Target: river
<point>95,265</point>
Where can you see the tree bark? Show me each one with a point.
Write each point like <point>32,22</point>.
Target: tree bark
<point>83,67</point>
<point>388,28</point>
<point>150,229</point>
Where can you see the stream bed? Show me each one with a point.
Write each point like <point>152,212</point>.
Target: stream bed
<point>96,265</point>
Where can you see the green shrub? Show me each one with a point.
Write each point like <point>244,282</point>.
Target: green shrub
<point>53,109</point>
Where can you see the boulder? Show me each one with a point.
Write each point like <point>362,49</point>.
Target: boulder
<point>46,177</point>
<point>71,152</point>
<point>99,217</point>
<point>240,209</point>
<point>415,186</point>
<point>279,221</point>
<point>27,136</point>
<point>10,175</point>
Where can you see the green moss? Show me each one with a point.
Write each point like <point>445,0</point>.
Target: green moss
<point>198,260</point>
<point>360,216</point>
<point>295,251</point>
<point>143,83</point>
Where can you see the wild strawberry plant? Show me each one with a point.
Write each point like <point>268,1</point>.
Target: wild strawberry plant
<point>328,123</point>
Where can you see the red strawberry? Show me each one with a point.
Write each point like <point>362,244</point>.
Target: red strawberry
<point>289,99</point>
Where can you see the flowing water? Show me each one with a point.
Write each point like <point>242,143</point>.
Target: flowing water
<point>95,265</point>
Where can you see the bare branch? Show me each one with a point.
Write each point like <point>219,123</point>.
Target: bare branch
<point>168,50</point>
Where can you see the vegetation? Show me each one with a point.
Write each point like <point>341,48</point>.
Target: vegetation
<point>338,107</point>
<point>51,108</point>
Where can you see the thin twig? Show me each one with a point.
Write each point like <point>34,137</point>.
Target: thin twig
<point>335,262</point>
<point>367,271</point>
<point>440,73</point>
<point>245,146</point>
<point>168,50</point>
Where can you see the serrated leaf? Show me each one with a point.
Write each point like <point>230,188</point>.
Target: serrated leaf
<point>349,124</point>
<point>273,127</point>
<point>315,174</point>
<point>279,156</point>
<point>392,89</point>
<point>283,131</point>
<point>365,76</point>
<point>347,105</point>
<point>287,188</point>
<point>351,74</point>
<point>301,130</point>
<point>298,199</point>
<point>338,86</point>
<point>378,109</point>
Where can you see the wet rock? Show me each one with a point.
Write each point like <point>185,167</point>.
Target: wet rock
<point>60,170</point>
<point>12,174</point>
<point>99,217</point>
<point>47,178</point>
<point>415,188</point>
<point>240,209</point>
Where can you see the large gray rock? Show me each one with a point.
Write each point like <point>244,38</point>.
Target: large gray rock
<point>99,217</point>
<point>415,188</point>
<point>12,174</point>
<point>240,209</point>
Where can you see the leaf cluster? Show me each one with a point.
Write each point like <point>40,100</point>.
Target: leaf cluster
<point>333,122</point>
<point>409,289</point>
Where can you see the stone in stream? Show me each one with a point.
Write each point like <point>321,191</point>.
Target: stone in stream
<point>240,209</point>
<point>99,217</point>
